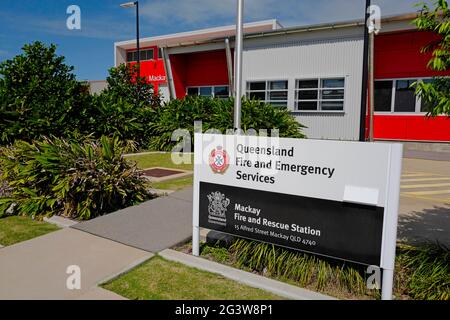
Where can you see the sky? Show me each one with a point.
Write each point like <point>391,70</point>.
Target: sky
<point>91,49</point>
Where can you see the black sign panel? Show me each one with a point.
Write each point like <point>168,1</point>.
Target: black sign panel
<point>330,228</point>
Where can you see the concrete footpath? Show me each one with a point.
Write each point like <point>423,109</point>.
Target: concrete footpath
<point>36,269</point>
<point>103,248</point>
<point>151,226</point>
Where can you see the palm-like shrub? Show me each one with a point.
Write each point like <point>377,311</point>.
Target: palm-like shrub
<point>218,114</point>
<point>77,180</point>
<point>121,119</point>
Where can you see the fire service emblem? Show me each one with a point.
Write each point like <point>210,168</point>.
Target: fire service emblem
<point>219,160</point>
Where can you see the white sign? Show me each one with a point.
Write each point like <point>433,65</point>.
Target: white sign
<point>336,199</point>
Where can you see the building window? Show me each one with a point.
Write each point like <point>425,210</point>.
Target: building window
<point>405,98</point>
<point>192,91</point>
<point>320,94</point>
<point>272,92</point>
<point>147,54</point>
<point>205,91</point>
<point>383,96</point>
<point>398,96</point>
<point>221,92</point>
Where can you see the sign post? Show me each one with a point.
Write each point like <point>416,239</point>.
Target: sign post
<point>307,195</point>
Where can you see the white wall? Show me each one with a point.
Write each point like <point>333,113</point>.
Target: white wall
<point>120,56</point>
<point>335,53</point>
<point>164,92</point>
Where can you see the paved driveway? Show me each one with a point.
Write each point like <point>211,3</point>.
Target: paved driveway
<point>425,201</point>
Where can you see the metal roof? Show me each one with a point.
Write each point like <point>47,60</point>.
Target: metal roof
<point>268,28</point>
<point>201,35</point>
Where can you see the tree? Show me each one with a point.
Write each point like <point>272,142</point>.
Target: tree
<point>436,94</point>
<point>39,95</point>
<point>125,108</point>
<point>124,84</point>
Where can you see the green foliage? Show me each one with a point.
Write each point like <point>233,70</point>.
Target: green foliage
<point>217,114</point>
<point>437,20</point>
<point>218,253</point>
<point>422,273</point>
<point>306,270</point>
<point>427,271</point>
<point>39,95</point>
<point>435,95</point>
<point>125,108</point>
<point>121,119</point>
<point>124,84</point>
<point>77,180</point>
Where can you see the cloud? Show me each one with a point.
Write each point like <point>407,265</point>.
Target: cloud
<point>205,12</point>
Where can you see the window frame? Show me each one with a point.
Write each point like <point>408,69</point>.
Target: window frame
<point>319,90</point>
<point>418,104</point>
<point>267,91</point>
<point>213,94</point>
<point>140,52</point>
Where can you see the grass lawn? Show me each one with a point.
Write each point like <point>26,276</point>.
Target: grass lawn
<point>160,279</point>
<point>17,229</point>
<point>176,184</point>
<point>146,161</point>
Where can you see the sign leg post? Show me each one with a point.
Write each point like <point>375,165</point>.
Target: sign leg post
<point>388,282</point>
<point>196,241</point>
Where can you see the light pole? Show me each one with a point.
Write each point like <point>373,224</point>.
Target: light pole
<point>238,69</point>
<point>374,26</point>
<point>362,119</point>
<point>130,5</point>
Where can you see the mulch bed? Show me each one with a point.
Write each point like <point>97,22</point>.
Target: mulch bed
<point>160,173</point>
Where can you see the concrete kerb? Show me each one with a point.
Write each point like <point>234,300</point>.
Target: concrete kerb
<point>152,152</point>
<point>61,221</point>
<point>98,293</point>
<point>250,279</point>
<point>127,269</point>
<point>161,192</point>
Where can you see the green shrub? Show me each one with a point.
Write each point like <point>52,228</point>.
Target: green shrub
<point>218,114</point>
<point>121,119</point>
<point>123,84</point>
<point>39,95</point>
<point>125,108</point>
<point>304,269</point>
<point>77,180</point>
<point>422,273</point>
<point>4,188</point>
<point>426,272</point>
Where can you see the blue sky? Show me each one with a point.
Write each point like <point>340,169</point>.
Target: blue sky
<point>90,50</point>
